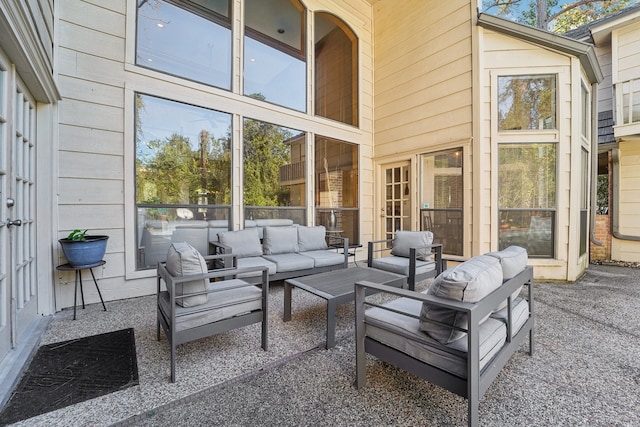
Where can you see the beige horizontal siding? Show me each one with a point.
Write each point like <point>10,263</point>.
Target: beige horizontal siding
<point>423,75</point>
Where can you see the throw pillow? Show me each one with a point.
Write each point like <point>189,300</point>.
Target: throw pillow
<point>403,241</point>
<point>467,282</point>
<point>183,260</point>
<point>311,238</point>
<point>280,240</point>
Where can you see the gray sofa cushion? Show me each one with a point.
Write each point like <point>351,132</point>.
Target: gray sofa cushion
<point>403,241</point>
<point>280,240</point>
<point>255,261</point>
<point>512,260</point>
<point>243,243</point>
<point>290,262</point>
<point>184,260</point>
<point>311,238</point>
<point>393,329</point>
<point>324,258</point>
<point>400,265</point>
<point>467,282</point>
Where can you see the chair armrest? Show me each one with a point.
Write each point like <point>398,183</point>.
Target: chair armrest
<point>475,311</point>
<point>372,248</point>
<point>436,250</point>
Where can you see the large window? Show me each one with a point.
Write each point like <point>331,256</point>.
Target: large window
<point>187,39</point>
<point>336,71</point>
<point>527,197</point>
<point>186,155</point>
<point>336,194</point>
<point>441,198</point>
<point>274,172</point>
<point>526,102</point>
<point>183,175</point>
<point>274,52</point>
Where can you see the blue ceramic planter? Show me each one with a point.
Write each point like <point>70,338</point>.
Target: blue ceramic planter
<point>86,252</point>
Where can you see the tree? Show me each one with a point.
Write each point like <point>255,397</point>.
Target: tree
<point>553,16</point>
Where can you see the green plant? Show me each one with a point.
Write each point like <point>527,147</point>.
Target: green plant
<point>77,234</point>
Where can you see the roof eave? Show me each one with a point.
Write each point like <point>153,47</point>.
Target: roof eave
<point>583,51</point>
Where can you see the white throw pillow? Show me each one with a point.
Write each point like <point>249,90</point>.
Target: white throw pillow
<point>183,260</point>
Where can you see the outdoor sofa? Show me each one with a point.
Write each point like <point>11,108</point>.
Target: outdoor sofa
<point>459,333</point>
<point>286,251</point>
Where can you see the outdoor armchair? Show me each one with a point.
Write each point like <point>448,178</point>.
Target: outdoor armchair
<point>410,253</point>
<point>198,303</point>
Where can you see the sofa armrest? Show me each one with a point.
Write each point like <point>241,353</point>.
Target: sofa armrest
<point>339,242</point>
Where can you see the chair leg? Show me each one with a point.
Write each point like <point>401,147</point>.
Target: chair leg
<point>173,363</point>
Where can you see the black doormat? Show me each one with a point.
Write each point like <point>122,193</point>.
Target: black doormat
<point>65,373</point>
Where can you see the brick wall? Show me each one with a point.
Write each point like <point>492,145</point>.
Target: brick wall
<point>601,253</point>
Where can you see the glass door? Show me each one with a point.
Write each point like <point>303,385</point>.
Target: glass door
<point>18,290</point>
<point>396,211</point>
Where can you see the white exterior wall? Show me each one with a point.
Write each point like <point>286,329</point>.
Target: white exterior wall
<point>98,77</point>
<point>626,66</point>
<point>629,203</point>
<point>423,89</point>
<point>502,55</point>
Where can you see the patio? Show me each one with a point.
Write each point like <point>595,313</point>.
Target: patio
<point>584,371</point>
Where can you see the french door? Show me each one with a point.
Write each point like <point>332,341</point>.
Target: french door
<point>18,290</point>
<point>396,210</point>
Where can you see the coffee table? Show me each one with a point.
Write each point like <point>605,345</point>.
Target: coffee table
<point>337,287</point>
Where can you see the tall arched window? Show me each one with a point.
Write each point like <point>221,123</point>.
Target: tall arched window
<point>274,52</point>
<point>336,70</point>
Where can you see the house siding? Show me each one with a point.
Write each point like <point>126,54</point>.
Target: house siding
<point>504,55</point>
<point>628,203</point>
<point>423,75</point>
<point>97,77</point>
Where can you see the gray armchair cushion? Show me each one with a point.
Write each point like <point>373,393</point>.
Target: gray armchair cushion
<point>402,332</point>
<point>400,265</point>
<point>467,282</point>
<point>403,241</point>
<point>243,243</point>
<point>280,240</point>
<point>311,238</point>
<point>184,260</point>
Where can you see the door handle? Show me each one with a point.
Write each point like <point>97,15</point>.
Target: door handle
<point>15,222</point>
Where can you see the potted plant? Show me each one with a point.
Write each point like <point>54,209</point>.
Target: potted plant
<point>82,249</point>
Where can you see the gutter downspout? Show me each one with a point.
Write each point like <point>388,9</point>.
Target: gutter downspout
<point>615,156</point>
<point>594,165</point>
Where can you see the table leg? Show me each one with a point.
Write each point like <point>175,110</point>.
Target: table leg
<point>75,295</point>
<point>99,293</point>
<point>331,324</point>
<point>287,302</point>
<point>81,289</point>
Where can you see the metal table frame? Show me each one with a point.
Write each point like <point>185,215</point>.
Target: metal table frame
<point>337,287</point>
<point>78,278</point>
